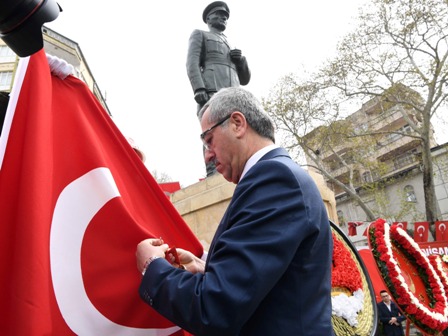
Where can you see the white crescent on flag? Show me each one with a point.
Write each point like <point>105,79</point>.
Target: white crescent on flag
<point>421,229</point>
<point>74,210</point>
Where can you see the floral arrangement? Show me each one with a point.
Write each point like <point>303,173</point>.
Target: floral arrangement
<point>436,262</point>
<point>431,318</point>
<point>345,274</point>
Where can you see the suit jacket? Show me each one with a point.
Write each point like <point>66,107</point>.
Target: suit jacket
<point>268,270</point>
<point>209,65</point>
<point>384,315</point>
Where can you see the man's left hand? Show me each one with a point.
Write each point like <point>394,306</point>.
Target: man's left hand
<point>149,248</point>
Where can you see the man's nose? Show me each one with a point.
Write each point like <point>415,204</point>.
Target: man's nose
<point>209,155</point>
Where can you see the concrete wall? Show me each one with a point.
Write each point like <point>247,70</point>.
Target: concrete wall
<point>203,204</point>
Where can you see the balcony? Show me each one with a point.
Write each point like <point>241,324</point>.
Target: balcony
<point>397,148</point>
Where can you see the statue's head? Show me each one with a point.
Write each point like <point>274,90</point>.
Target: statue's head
<point>216,7</point>
<point>21,23</point>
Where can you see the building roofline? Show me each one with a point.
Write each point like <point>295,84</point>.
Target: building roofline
<point>435,148</point>
<point>81,54</point>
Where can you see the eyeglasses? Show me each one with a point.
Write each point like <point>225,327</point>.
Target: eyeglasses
<point>203,135</point>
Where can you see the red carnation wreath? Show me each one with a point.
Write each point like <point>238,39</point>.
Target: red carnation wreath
<point>405,267</point>
<point>345,273</point>
<point>441,269</point>
<point>352,299</point>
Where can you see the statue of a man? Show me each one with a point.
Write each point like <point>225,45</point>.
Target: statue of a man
<point>211,63</point>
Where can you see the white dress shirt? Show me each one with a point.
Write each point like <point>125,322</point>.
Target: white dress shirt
<point>255,158</point>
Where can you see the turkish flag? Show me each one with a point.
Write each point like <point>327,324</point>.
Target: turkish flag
<point>421,232</point>
<point>75,200</point>
<point>403,225</point>
<point>441,231</point>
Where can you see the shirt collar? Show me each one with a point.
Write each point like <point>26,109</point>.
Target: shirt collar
<point>255,158</point>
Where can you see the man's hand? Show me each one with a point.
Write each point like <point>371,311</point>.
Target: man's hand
<point>201,96</point>
<point>393,320</point>
<point>59,67</point>
<point>149,248</point>
<point>189,261</point>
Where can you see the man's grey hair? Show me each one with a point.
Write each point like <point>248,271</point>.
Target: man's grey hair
<point>229,100</point>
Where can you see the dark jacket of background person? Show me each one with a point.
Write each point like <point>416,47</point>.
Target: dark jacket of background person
<point>384,315</point>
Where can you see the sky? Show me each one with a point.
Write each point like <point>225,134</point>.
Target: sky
<point>137,53</point>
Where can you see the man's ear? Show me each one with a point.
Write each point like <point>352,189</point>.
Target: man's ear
<point>239,123</point>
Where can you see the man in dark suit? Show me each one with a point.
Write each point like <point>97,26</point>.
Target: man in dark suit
<point>390,316</point>
<point>211,63</point>
<point>268,269</point>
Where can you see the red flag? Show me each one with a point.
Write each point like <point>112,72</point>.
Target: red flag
<point>352,228</point>
<point>403,225</point>
<point>441,231</point>
<point>75,200</point>
<point>421,232</point>
<point>169,187</point>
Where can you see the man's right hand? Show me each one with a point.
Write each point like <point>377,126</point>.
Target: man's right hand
<point>189,261</point>
<point>201,96</point>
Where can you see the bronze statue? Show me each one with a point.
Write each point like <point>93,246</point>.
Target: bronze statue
<point>211,63</point>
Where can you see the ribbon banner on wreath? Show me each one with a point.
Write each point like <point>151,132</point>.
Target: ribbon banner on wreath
<point>408,274</point>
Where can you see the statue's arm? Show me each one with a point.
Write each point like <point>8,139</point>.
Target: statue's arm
<point>194,60</point>
<point>243,71</point>
<point>242,68</point>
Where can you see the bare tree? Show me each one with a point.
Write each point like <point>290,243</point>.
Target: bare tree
<point>308,121</point>
<point>161,177</point>
<point>399,42</point>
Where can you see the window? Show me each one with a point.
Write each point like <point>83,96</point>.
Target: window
<point>405,159</point>
<point>391,137</point>
<point>406,129</point>
<point>6,54</point>
<point>5,80</point>
<point>367,177</point>
<point>410,194</point>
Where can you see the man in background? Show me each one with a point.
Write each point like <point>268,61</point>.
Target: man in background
<point>390,316</point>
